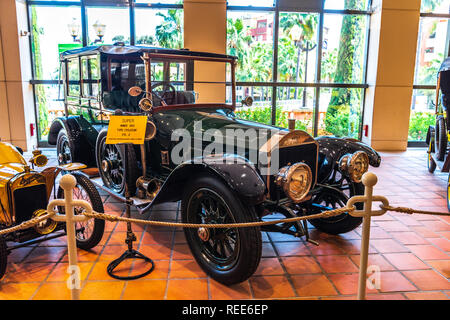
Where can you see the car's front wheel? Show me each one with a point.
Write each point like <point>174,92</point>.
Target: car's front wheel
<point>90,232</point>
<point>228,255</point>
<point>3,257</point>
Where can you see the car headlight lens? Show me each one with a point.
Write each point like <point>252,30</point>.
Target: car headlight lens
<point>354,165</point>
<point>296,181</point>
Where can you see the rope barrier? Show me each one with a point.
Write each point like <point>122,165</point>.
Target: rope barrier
<point>411,210</point>
<point>27,224</point>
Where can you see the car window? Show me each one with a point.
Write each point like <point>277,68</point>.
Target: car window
<point>91,76</point>
<point>73,77</point>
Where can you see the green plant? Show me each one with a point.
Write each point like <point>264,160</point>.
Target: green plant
<point>418,125</point>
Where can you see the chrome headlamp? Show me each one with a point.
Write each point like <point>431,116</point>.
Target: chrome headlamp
<point>354,165</point>
<point>296,181</point>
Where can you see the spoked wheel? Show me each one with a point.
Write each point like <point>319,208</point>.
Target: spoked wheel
<point>63,149</point>
<point>335,197</point>
<point>116,168</point>
<point>3,257</point>
<point>228,255</point>
<point>90,232</point>
<point>431,165</point>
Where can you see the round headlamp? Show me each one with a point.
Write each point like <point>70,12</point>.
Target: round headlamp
<point>354,165</point>
<point>296,181</point>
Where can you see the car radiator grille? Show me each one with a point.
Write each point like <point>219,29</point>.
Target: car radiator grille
<point>29,199</point>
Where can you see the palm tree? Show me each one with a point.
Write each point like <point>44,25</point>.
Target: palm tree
<point>238,44</point>
<point>169,33</point>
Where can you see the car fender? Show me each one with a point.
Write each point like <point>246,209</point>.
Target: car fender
<point>236,172</point>
<point>331,149</point>
<point>81,134</point>
<point>430,135</point>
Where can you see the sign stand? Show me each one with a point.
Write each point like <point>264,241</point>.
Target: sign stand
<point>130,253</point>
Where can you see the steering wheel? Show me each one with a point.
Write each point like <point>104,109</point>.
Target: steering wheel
<point>167,87</point>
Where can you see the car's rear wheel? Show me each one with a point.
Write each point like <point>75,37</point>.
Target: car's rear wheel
<point>440,140</point>
<point>228,255</point>
<point>63,148</point>
<point>331,198</point>
<point>116,166</point>
<point>88,233</point>
<point>3,257</point>
<point>431,164</point>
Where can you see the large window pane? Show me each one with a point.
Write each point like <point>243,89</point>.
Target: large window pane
<point>298,104</point>
<point>435,6</point>
<point>422,114</point>
<point>108,25</point>
<point>51,35</point>
<point>432,48</point>
<point>261,110</point>
<point>163,28</point>
<point>250,38</point>
<point>343,48</point>
<point>297,47</point>
<point>347,4</point>
<point>50,106</point>
<point>340,112</point>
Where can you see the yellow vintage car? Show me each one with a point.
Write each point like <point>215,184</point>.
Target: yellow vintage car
<point>25,193</point>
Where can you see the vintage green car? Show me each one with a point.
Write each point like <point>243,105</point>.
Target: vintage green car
<point>252,170</point>
<point>25,193</point>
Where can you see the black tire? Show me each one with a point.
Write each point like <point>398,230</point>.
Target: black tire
<point>3,257</point>
<point>64,148</point>
<point>113,177</point>
<point>431,165</point>
<point>342,223</point>
<point>243,258</point>
<point>440,140</point>
<point>97,226</point>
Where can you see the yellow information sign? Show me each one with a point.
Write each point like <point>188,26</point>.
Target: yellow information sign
<point>126,129</point>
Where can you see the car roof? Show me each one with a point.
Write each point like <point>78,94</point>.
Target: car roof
<point>118,50</point>
<point>445,66</point>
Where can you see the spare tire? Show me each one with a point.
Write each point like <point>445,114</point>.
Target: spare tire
<point>440,140</point>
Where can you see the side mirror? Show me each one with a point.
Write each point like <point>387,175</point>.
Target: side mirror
<point>145,104</point>
<point>248,101</point>
<point>135,91</point>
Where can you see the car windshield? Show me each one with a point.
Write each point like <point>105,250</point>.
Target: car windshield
<point>173,82</point>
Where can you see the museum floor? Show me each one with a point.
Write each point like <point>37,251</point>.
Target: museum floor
<point>413,252</point>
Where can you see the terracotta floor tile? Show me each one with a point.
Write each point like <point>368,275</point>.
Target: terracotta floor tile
<point>27,272</point>
<point>222,292</point>
<point>301,265</point>
<point>179,237</point>
<point>377,233</point>
<point>46,254</point>
<point>156,251</point>
<point>353,246</point>
<point>160,271</point>
<point>394,281</point>
<point>145,290</point>
<point>437,225</point>
<point>102,290</point>
<point>441,243</point>
<point>269,266</point>
<point>335,264</point>
<point>99,272</point>
<point>428,280</point>
<point>275,236</point>
<point>185,269</point>
<point>187,289</point>
<point>375,260</point>
<point>325,248</point>
<point>271,287</point>
<point>85,256</point>
<point>17,291</point>
<point>53,291</point>
<point>119,237</point>
<point>59,273</point>
<point>405,261</point>
<point>392,226</point>
<point>181,252</point>
<point>313,285</point>
<point>382,296</point>
<point>425,232</point>
<point>18,255</point>
<point>428,252</point>
<point>292,249</point>
<point>111,253</point>
<point>157,237</point>
<point>387,246</point>
<point>347,283</point>
<point>267,250</point>
<point>409,238</point>
<point>433,295</point>
<point>442,266</point>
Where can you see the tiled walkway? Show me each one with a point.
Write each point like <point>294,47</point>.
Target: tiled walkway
<point>413,253</point>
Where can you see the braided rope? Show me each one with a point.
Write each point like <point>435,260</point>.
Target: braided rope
<point>325,214</point>
<point>411,210</point>
<point>26,224</point>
